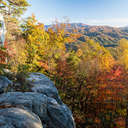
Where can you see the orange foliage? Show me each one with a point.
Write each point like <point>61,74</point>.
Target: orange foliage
<point>44,65</point>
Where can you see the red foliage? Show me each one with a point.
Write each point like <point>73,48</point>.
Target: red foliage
<point>6,52</point>
<point>3,54</point>
<point>112,87</point>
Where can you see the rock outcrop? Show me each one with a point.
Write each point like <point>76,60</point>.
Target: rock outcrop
<point>42,103</point>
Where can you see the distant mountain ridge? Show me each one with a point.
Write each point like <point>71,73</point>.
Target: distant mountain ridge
<point>105,35</point>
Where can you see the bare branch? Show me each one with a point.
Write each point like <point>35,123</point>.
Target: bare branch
<point>12,2</point>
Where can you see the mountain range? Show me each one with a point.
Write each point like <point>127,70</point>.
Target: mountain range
<point>105,35</point>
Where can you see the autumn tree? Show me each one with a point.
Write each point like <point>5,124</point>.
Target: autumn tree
<point>103,95</point>
<point>43,47</point>
<point>96,57</point>
<point>13,7</point>
<point>123,53</point>
<point>12,10</point>
<point>3,59</point>
<point>90,82</point>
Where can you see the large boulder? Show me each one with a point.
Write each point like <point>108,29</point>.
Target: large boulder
<point>42,84</point>
<point>4,84</point>
<point>32,101</point>
<point>43,100</point>
<point>18,118</point>
<point>51,113</point>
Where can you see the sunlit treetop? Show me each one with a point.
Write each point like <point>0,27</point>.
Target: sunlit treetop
<point>13,7</point>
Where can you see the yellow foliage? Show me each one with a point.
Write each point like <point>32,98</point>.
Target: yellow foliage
<point>43,46</point>
<point>79,52</point>
<point>123,44</point>
<point>124,58</point>
<point>123,53</point>
<point>95,58</point>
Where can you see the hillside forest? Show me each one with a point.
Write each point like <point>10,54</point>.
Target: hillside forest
<point>92,79</point>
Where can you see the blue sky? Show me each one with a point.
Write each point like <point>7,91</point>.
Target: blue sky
<point>93,12</point>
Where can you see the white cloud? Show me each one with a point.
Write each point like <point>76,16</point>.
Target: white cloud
<point>110,22</point>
